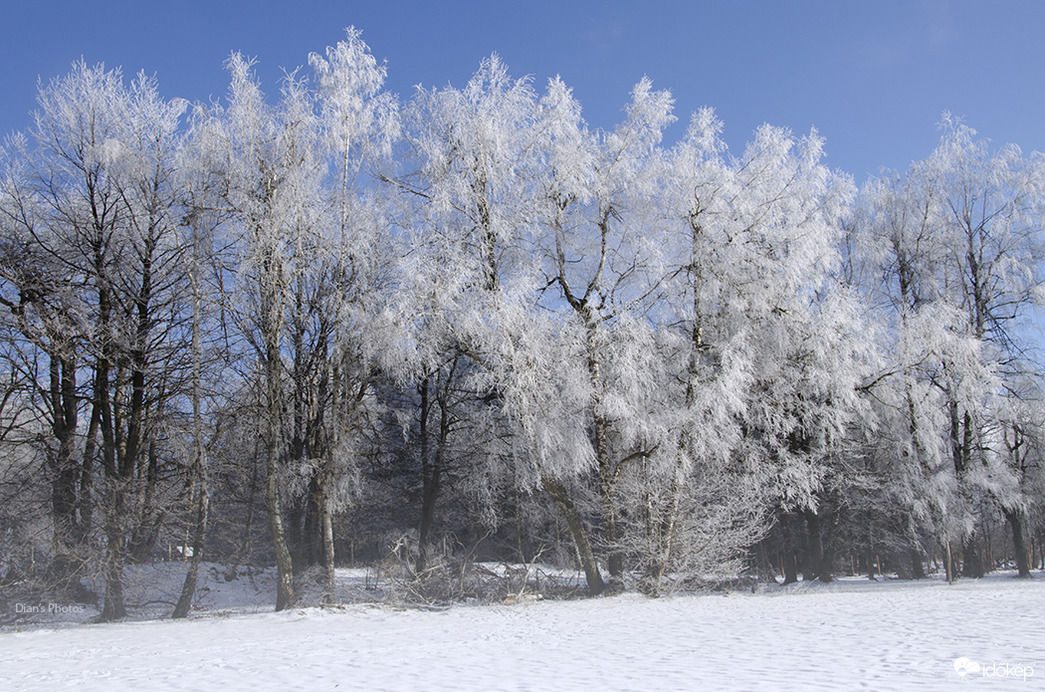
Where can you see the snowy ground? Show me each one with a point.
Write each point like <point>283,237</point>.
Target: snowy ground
<point>853,634</point>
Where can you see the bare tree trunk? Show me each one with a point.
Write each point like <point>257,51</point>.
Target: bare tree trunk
<point>199,532</point>
<point>788,558</point>
<point>661,535</point>
<point>270,328</point>
<point>590,566</point>
<point>790,567</point>
<point>327,522</point>
<point>70,530</point>
<point>917,568</point>
<point>270,323</point>
<point>1015,519</point>
<point>949,566</point>
<point>600,432</point>
<point>432,467</point>
<point>284,564</point>
<point>115,465</point>
<point>972,558</point>
<point>430,473</point>
<point>815,543</point>
<point>113,607</point>
<point>199,461</point>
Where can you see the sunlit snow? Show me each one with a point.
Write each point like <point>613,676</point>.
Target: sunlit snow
<point>852,634</point>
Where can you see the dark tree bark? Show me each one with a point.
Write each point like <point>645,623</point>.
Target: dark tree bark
<point>431,466</point>
<point>199,532</point>
<point>972,558</point>
<point>1015,519</point>
<point>69,480</point>
<point>917,566</point>
<point>788,556</point>
<point>820,554</point>
<point>561,496</point>
<point>971,561</point>
<point>789,564</point>
<point>199,457</point>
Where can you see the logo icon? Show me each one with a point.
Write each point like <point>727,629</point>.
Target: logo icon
<point>965,666</point>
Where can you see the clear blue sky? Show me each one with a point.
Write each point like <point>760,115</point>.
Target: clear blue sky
<point>872,76</point>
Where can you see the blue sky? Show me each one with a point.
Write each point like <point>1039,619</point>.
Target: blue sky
<point>872,77</point>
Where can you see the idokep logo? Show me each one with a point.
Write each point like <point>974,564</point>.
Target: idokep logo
<point>966,667</point>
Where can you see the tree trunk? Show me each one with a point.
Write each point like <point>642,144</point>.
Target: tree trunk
<point>431,469</point>
<point>820,560</point>
<point>1015,520</point>
<point>66,480</point>
<point>199,532</point>
<point>199,462</point>
<point>284,564</point>
<point>430,493</point>
<point>590,566</point>
<point>600,432</point>
<point>788,558</point>
<point>615,557</point>
<point>271,321</point>
<point>427,496</point>
<point>112,605</point>
<point>972,559</point>
<point>115,466</point>
<point>295,528</point>
<point>661,534</point>
<point>917,568</point>
<point>327,523</point>
<point>789,564</point>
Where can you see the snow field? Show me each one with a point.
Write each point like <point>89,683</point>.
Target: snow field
<point>849,635</point>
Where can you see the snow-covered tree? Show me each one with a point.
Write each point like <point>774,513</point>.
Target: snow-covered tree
<point>309,238</point>
<point>471,151</point>
<point>100,200</point>
<point>773,361</point>
<point>268,158</point>
<point>601,269</point>
<point>958,247</point>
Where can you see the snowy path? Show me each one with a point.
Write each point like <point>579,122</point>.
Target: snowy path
<point>851,635</point>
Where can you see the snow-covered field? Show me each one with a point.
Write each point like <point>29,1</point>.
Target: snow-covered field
<point>853,634</point>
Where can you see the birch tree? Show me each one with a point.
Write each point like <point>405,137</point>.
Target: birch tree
<point>310,239</point>
<point>471,150</point>
<point>960,253</point>
<point>598,248</point>
<point>768,370</point>
<point>989,213</point>
<point>268,159</point>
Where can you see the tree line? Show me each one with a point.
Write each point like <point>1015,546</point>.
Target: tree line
<point>284,329</point>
